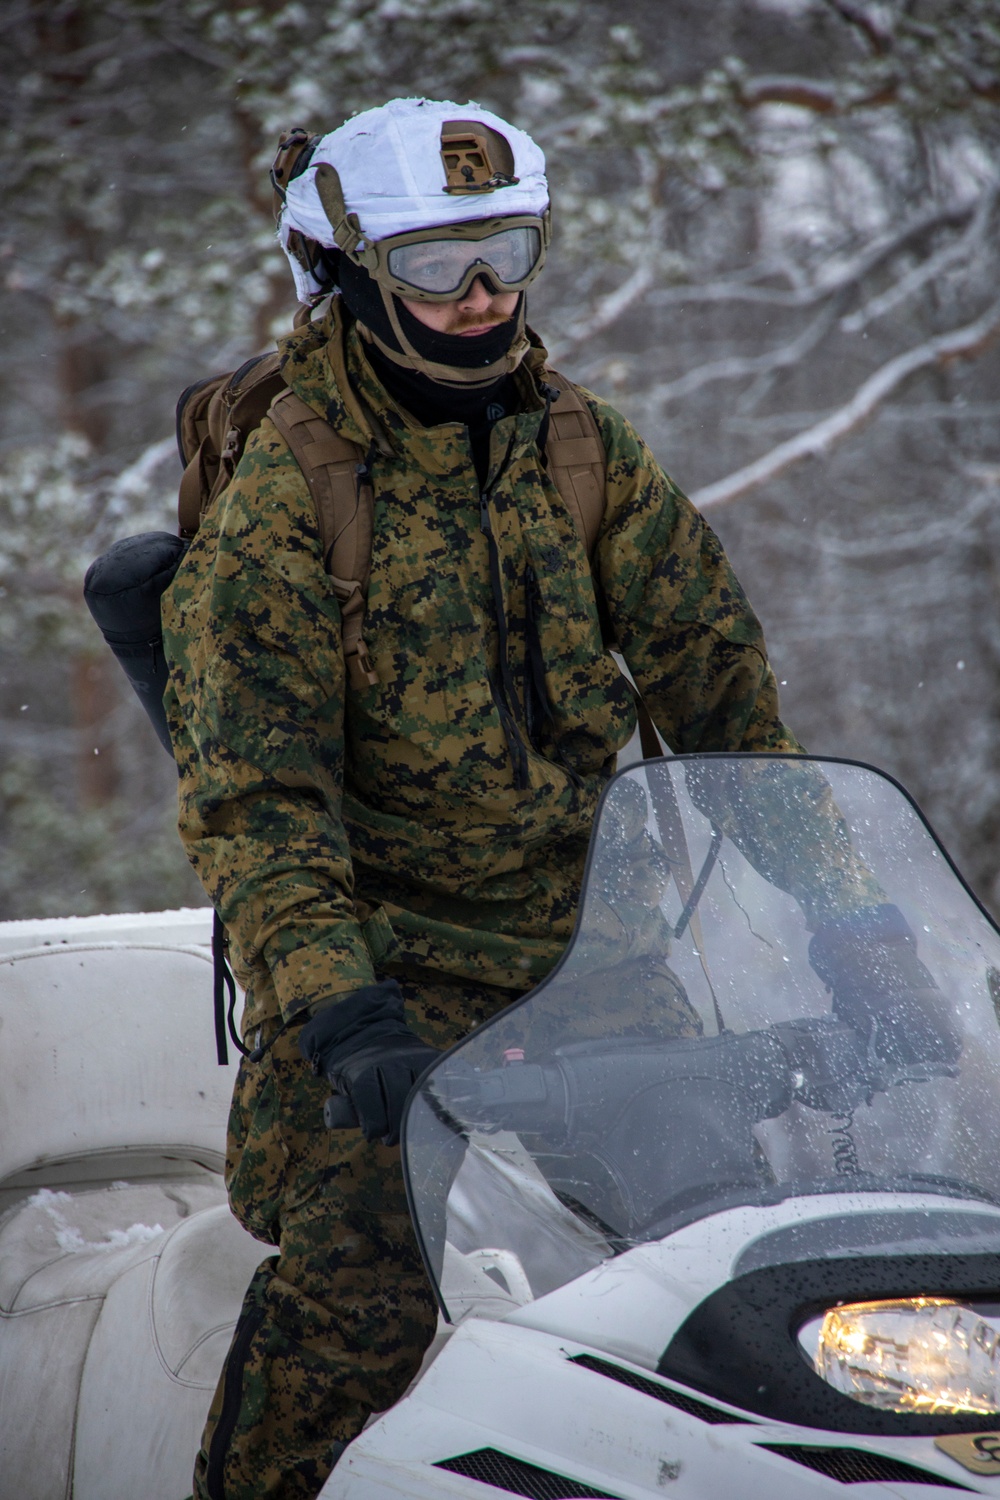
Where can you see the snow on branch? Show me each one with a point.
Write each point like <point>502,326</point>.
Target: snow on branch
<point>737,366</point>
<point>961,343</point>
<point>136,478</point>
<point>842,277</point>
<point>641,281</point>
<point>952,253</point>
<point>806,93</point>
<point>878,38</point>
<point>949,531</point>
<point>811,93</point>
<point>609,308</point>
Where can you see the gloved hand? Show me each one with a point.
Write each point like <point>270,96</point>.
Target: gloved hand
<point>880,987</point>
<point>364,1047</point>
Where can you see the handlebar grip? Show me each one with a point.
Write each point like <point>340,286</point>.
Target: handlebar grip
<point>338,1113</point>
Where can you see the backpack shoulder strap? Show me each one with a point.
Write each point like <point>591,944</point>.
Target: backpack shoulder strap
<point>338,481</point>
<point>214,419</point>
<point>576,459</point>
<point>578,463</point>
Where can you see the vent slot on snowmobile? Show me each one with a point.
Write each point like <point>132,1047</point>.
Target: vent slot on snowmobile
<point>858,1466</point>
<point>680,1399</point>
<point>490,1466</point>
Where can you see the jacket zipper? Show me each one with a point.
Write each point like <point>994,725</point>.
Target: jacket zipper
<point>537,710</point>
<point>502,691</point>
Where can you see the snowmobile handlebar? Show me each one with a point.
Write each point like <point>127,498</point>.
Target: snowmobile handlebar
<point>818,1061</point>
<point>582,1091</point>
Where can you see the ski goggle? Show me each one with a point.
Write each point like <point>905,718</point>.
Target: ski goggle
<point>439,265</point>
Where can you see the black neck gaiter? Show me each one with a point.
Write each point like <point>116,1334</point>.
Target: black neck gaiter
<point>430,401</point>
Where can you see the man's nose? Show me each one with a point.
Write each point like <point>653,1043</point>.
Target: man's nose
<point>478,297</point>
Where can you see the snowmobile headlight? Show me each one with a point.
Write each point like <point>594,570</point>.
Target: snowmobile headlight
<point>913,1354</point>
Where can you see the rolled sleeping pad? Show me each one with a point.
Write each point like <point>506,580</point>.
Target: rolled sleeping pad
<point>122,589</point>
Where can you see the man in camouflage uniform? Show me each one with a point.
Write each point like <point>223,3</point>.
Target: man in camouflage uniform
<point>394,862</point>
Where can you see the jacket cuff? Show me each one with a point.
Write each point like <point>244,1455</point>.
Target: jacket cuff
<point>308,966</point>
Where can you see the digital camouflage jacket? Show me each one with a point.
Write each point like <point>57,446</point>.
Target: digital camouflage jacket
<point>440,819</point>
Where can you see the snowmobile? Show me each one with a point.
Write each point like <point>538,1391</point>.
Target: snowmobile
<point>695,1225</point>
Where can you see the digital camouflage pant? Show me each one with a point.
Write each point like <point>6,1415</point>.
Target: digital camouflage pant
<point>334,1327</point>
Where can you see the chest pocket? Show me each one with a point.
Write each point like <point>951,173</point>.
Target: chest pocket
<point>563,588</point>
<point>576,701</point>
<point>427,644</point>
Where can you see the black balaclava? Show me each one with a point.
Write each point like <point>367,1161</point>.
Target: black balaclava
<point>431,401</point>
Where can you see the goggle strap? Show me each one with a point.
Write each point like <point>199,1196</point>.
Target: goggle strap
<point>304,250</point>
<point>347,231</point>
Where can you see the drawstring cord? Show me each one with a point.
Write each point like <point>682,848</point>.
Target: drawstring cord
<point>223,986</point>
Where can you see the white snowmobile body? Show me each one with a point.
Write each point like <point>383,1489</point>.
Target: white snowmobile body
<point>633,1237</point>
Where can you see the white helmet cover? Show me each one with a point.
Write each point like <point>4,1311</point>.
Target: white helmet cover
<point>389,164</point>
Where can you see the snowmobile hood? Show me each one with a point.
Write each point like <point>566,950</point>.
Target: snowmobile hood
<point>678,1145</point>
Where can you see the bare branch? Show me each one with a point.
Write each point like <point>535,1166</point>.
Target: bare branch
<point>878,39</point>
<point>853,272</point>
<point>832,288</point>
<point>962,343</point>
<point>608,310</point>
<point>947,531</point>
<point>812,94</point>
<point>914,411</point>
<point>920,275</point>
<point>806,93</point>
<point>736,366</point>
<point>192,47</point>
<point>984,85</point>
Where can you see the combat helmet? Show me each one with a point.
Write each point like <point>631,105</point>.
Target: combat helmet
<point>423,196</point>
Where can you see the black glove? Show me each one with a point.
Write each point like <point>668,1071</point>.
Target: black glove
<point>364,1047</point>
<point>880,987</point>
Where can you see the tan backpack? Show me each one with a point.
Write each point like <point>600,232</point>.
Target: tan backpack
<point>216,416</point>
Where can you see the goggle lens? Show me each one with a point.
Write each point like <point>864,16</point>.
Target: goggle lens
<point>441,266</point>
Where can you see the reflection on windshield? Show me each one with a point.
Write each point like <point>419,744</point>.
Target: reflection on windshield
<point>777,986</point>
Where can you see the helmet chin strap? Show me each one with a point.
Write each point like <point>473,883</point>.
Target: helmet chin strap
<point>411,359</point>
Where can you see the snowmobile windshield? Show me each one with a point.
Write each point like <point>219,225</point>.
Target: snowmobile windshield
<point>778,988</point>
